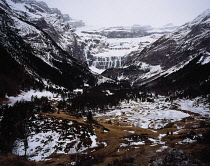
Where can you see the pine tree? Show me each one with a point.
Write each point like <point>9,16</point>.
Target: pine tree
<point>89,116</point>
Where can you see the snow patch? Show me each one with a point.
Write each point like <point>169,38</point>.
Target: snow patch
<point>26,96</point>
<point>193,106</point>
<point>162,148</point>
<point>145,114</point>
<point>204,60</point>
<point>96,70</point>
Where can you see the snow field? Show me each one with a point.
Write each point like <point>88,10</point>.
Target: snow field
<point>145,115</point>
<point>195,106</point>
<point>66,137</point>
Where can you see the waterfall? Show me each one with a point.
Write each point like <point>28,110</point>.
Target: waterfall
<point>115,62</point>
<point>86,52</point>
<point>86,49</point>
<point>95,62</point>
<point>110,62</point>
<point>107,62</point>
<point>120,62</point>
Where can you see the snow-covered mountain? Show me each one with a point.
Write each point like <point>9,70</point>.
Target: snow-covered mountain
<point>58,26</point>
<point>164,29</point>
<point>40,45</point>
<point>109,47</point>
<point>187,45</point>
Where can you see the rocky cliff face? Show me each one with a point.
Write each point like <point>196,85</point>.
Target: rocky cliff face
<point>103,52</point>
<point>57,25</point>
<point>169,54</point>
<point>30,36</point>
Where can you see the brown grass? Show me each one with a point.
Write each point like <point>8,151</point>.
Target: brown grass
<point>114,154</point>
<point>13,160</point>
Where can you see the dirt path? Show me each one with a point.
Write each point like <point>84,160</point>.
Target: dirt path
<point>112,134</point>
<point>63,115</point>
<point>109,133</point>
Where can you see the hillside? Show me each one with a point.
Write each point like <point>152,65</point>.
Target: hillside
<point>36,52</point>
<point>170,53</point>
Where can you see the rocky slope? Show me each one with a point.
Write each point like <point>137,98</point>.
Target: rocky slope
<point>186,46</point>
<point>39,50</point>
<point>57,25</point>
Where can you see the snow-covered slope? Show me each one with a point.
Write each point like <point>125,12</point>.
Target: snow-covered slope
<point>109,47</point>
<point>57,25</point>
<point>37,39</point>
<point>170,53</point>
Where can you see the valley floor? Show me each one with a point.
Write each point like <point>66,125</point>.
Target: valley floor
<point>136,133</point>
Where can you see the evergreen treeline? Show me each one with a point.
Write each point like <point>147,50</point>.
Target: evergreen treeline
<point>15,120</point>
<point>104,97</point>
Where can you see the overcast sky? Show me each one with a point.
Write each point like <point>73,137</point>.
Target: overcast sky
<point>128,12</point>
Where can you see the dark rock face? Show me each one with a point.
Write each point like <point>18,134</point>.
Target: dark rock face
<point>13,76</point>
<point>35,55</point>
<point>174,157</point>
<point>191,80</point>
<point>124,73</point>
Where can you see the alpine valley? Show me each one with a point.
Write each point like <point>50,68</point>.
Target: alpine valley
<point>72,94</point>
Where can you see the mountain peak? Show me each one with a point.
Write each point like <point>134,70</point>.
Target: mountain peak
<point>200,17</point>
<point>206,12</point>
